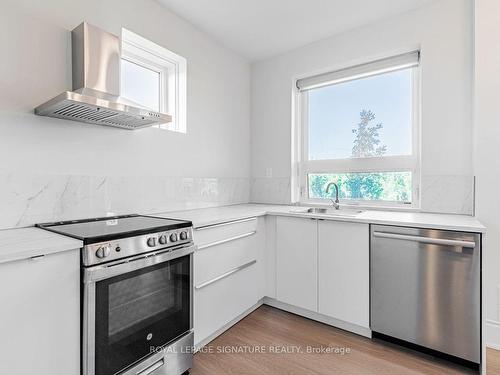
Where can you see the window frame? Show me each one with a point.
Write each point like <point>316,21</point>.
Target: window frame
<point>302,166</point>
<point>172,69</point>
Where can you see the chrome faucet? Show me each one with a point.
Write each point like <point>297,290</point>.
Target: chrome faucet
<point>336,201</point>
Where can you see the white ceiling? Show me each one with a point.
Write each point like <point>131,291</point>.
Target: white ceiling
<point>258,29</point>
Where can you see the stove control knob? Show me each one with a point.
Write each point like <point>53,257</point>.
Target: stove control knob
<point>103,252</point>
<point>151,242</point>
<point>163,240</point>
<point>184,236</point>
<point>173,237</point>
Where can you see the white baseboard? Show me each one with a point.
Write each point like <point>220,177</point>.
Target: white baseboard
<point>491,334</point>
<point>363,331</point>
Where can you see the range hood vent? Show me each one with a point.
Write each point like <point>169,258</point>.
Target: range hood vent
<point>95,98</point>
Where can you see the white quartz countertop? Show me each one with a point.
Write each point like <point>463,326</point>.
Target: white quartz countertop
<point>22,243</point>
<point>209,216</point>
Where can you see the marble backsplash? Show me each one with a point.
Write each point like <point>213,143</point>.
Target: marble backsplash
<point>26,199</point>
<point>451,194</point>
<point>274,190</point>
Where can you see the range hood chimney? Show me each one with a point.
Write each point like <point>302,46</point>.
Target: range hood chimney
<point>95,98</point>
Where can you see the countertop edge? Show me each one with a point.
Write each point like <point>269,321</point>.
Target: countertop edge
<point>14,257</point>
<point>414,224</point>
<point>277,210</point>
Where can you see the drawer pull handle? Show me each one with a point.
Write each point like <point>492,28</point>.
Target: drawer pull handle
<point>152,368</point>
<point>224,224</point>
<point>226,240</point>
<point>224,275</point>
<point>429,240</point>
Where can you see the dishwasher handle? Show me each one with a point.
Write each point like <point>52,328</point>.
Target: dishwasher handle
<point>428,240</point>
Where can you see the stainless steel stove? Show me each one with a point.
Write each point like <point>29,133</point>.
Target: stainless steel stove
<point>137,294</point>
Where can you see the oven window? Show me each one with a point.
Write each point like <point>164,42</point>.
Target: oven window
<point>139,312</point>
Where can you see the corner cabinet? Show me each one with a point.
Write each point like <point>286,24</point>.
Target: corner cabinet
<point>322,267</point>
<point>344,271</point>
<point>40,315</point>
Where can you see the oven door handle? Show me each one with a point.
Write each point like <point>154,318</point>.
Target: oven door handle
<point>119,267</point>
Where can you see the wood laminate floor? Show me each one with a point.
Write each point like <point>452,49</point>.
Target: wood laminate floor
<point>268,332</point>
<point>492,361</point>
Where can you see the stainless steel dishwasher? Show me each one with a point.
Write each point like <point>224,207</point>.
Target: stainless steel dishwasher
<point>426,288</point>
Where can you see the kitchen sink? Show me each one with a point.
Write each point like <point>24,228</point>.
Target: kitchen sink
<point>330,211</point>
<point>317,210</point>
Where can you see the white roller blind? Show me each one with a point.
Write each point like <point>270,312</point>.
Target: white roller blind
<point>403,61</point>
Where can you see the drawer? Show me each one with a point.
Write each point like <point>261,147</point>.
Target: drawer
<point>219,232</point>
<point>213,261</point>
<point>218,303</point>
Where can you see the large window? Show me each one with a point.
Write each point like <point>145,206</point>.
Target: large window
<point>359,128</point>
<point>155,78</point>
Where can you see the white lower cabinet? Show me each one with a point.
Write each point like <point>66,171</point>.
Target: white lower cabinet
<point>297,262</point>
<point>229,274</point>
<point>221,302</point>
<point>323,266</point>
<point>40,315</point>
<point>343,275</point>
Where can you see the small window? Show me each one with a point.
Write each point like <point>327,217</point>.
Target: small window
<point>155,78</point>
<point>359,129</point>
<point>141,84</point>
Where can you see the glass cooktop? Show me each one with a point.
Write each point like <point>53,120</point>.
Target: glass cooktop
<point>110,228</point>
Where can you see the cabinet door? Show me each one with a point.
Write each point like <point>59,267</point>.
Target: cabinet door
<point>343,250</point>
<point>40,315</point>
<point>297,262</point>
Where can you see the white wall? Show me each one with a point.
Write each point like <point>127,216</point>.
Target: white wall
<point>486,165</point>
<point>443,31</point>
<point>53,169</point>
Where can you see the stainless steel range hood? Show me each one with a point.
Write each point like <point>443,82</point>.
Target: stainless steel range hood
<point>95,98</point>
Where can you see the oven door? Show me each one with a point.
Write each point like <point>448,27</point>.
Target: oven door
<point>132,309</point>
